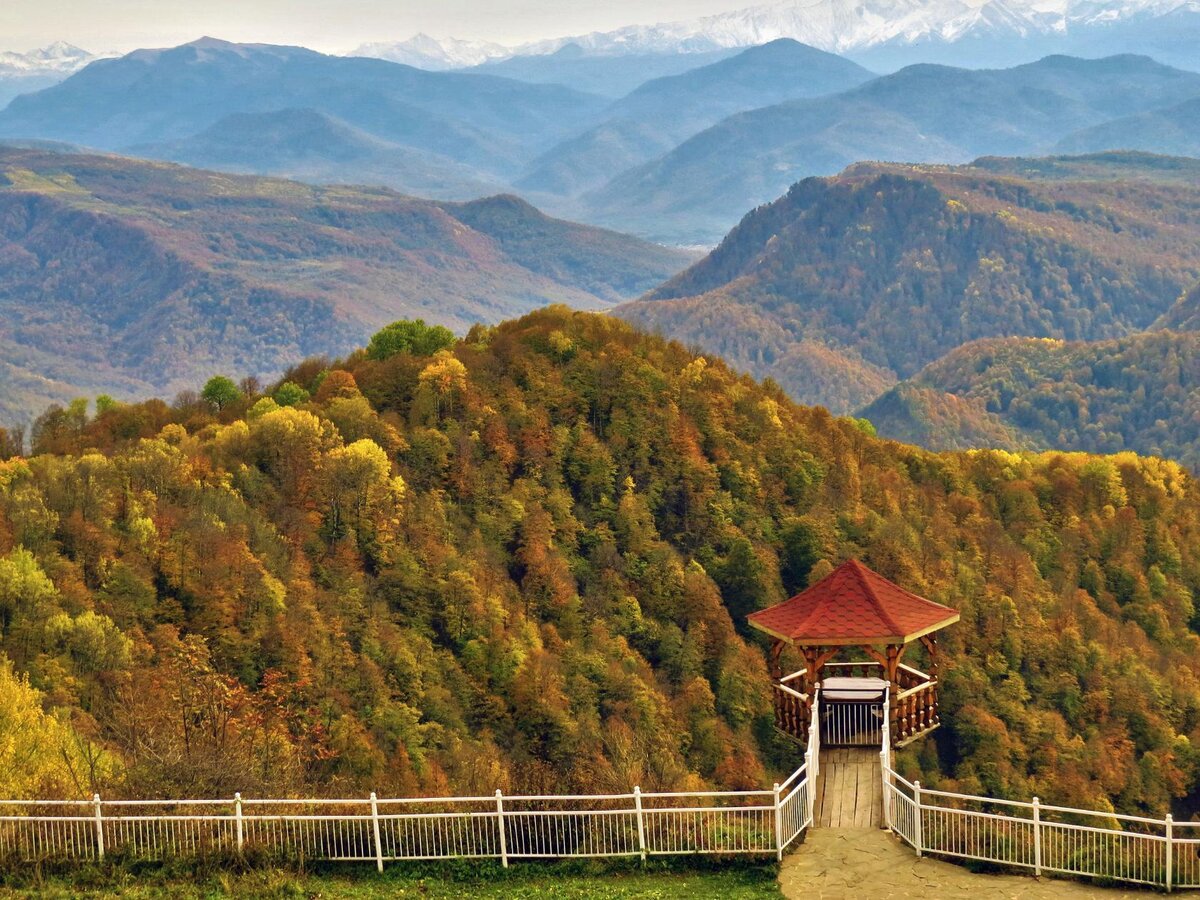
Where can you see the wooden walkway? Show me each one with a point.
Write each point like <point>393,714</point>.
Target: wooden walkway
<point>849,789</point>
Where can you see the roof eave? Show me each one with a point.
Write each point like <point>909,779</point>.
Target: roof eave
<point>858,641</point>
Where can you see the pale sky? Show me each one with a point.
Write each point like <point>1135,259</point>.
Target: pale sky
<point>329,25</point>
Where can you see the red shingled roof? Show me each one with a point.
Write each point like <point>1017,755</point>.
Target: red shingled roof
<point>853,605</point>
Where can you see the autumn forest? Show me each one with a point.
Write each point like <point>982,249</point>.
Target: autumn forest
<point>523,559</point>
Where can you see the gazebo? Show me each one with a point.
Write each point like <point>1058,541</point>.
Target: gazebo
<point>854,608</point>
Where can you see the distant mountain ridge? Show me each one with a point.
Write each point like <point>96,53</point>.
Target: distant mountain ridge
<point>659,114</point>
<point>921,114</point>
<point>157,98</point>
<point>312,146</point>
<point>677,160</point>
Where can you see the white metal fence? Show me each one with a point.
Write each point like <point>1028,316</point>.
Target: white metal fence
<point>1044,839</point>
<point>378,829</point>
<point>852,722</point>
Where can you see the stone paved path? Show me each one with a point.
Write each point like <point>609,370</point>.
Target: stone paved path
<point>872,864</point>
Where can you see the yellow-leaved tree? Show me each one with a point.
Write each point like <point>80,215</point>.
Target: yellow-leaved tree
<point>41,755</point>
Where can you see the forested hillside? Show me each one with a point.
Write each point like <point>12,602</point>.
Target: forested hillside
<point>1137,393</point>
<point>848,283</point>
<point>523,559</point>
<point>133,278</point>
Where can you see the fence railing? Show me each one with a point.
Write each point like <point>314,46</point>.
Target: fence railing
<point>1045,839</point>
<point>847,722</point>
<point>377,829</point>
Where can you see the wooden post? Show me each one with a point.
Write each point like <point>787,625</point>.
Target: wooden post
<point>1037,837</point>
<point>931,647</point>
<point>99,826</point>
<point>237,811</point>
<point>378,840</point>
<point>776,652</point>
<point>637,803</point>
<point>891,670</point>
<point>501,828</point>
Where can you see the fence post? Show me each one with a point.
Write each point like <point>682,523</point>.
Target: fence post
<point>1170,822</point>
<point>811,793</point>
<point>237,809</point>
<point>1037,837</point>
<point>917,835</point>
<point>641,821</point>
<point>887,794</point>
<point>378,839</point>
<point>99,826</point>
<point>500,826</point>
<point>778,825</point>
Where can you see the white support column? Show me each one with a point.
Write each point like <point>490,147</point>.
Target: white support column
<point>99,826</point>
<point>501,829</point>
<point>378,839</point>
<point>887,792</point>
<point>778,825</point>
<point>641,820</point>
<point>885,757</point>
<point>1170,845</point>
<point>918,838</point>
<point>237,811</point>
<point>1037,837</point>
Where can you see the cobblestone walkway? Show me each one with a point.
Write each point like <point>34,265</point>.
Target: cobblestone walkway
<point>872,864</point>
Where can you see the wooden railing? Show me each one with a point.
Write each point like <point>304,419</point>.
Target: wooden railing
<point>913,709</point>
<point>792,711</point>
<point>915,712</point>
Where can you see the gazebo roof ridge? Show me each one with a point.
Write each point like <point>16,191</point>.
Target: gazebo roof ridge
<point>853,605</point>
<point>860,571</point>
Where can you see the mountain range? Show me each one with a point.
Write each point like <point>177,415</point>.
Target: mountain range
<point>924,113</point>
<point>881,34</point>
<point>127,277</point>
<point>662,112</point>
<point>678,159</point>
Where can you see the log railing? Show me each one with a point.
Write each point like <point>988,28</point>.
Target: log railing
<point>915,711</point>
<point>792,711</point>
<point>913,707</point>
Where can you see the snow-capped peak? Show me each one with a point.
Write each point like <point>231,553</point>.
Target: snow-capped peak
<point>427,52</point>
<point>59,58</point>
<point>840,26</point>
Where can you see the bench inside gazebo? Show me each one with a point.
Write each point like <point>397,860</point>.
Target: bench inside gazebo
<point>855,611</point>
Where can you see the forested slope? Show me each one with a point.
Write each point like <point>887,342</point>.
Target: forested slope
<point>524,560</point>
<point>1137,393</point>
<point>852,282</point>
<point>135,278</point>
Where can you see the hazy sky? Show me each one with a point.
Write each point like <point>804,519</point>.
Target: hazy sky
<point>332,25</point>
